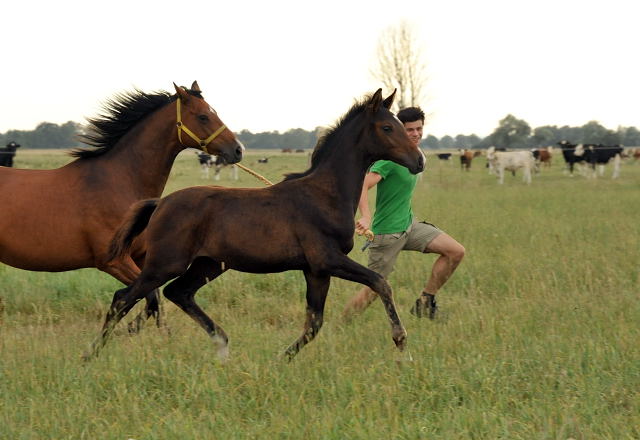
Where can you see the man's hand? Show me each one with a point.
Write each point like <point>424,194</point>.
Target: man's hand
<point>362,225</point>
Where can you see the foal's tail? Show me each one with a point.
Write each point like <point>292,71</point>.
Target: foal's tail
<point>135,221</point>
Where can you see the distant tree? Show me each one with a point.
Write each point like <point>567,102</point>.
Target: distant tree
<point>297,138</point>
<point>467,141</point>
<point>430,142</point>
<point>545,136</point>
<point>511,133</point>
<point>594,133</point>
<point>400,64</point>
<point>630,136</point>
<point>447,142</point>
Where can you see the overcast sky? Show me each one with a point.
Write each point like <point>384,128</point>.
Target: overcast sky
<point>287,64</point>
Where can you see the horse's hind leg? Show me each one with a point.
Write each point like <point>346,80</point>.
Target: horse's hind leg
<point>347,269</point>
<point>317,288</point>
<point>182,290</point>
<point>153,308</point>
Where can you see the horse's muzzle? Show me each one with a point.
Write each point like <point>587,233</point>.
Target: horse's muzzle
<point>235,156</point>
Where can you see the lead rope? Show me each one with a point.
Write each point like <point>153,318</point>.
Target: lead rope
<point>253,173</point>
<point>368,233</point>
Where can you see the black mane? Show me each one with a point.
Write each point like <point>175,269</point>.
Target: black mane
<point>326,144</point>
<point>119,115</point>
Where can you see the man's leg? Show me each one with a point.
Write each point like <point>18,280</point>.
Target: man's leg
<point>451,254</point>
<point>359,302</point>
<point>382,256</point>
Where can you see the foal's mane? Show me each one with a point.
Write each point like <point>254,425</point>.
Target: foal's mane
<point>327,142</point>
<point>119,114</point>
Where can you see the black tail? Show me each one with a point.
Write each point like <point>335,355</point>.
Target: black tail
<point>135,221</point>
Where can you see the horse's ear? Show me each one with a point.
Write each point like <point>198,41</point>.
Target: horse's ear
<point>388,102</point>
<point>182,93</point>
<point>374,103</point>
<point>195,87</point>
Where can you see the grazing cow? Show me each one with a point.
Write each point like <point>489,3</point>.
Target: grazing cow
<point>543,156</point>
<point>444,156</point>
<point>263,160</point>
<point>7,153</point>
<point>488,165</point>
<point>636,154</point>
<point>466,156</point>
<point>568,152</point>
<point>299,150</point>
<point>511,161</point>
<point>206,162</point>
<point>220,163</point>
<point>287,150</point>
<point>601,155</point>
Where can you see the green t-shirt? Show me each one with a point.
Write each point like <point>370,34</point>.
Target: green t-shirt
<point>393,199</point>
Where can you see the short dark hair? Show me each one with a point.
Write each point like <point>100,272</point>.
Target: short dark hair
<point>411,114</point>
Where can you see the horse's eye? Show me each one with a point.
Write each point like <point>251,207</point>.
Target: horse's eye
<point>203,118</point>
<point>387,128</point>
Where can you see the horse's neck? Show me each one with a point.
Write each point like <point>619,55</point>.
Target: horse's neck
<point>145,156</point>
<point>342,175</point>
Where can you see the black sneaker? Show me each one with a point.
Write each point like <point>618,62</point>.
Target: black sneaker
<point>425,306</point>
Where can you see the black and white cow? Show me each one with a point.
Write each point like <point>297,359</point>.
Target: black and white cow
<point>444,156</point>
<point>220,163</point>
<point>601,155</point>
<point>570,158</point>
<point>206,162</point>
<point>7,153</point>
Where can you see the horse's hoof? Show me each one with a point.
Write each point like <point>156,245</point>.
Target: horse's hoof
<point>403,357</point>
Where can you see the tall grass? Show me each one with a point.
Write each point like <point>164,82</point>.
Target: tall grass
<point>538,337</point>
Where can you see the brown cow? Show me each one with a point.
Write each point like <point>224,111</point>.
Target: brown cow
<point>466,156</point>
<point>543,155</point>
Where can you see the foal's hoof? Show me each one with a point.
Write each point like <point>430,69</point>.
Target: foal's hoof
<point>401,342</point>
<point>403,357</point>
<point>89,355</point>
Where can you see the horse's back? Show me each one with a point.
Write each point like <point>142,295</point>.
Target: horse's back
<point>225,222</point>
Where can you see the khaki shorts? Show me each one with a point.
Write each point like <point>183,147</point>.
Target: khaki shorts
<point>385,248</point>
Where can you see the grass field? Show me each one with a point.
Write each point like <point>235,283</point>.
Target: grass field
<point>538,337</point>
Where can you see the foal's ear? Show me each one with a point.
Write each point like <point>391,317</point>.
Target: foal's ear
<point>388,102</point>
<point>195,87</point>
<point>182,93</point>
<point>374,103</point>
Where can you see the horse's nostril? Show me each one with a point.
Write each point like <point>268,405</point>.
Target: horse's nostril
<point>239,151</point>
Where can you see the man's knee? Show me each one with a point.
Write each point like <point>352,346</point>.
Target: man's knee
<point>455,253</point>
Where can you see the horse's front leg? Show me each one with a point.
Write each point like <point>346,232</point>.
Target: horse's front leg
<point>126,270</point>
<point>317,288</point>
<point>345,268</point>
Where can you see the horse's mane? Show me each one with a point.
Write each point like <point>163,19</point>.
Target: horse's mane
<point>326,143</point>
<point>119,114</point>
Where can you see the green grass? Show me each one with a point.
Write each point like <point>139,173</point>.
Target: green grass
<point>538,337</point>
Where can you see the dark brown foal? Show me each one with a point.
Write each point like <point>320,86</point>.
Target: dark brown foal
<point>193,235</point>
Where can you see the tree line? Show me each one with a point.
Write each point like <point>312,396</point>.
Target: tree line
<point>511,133</point>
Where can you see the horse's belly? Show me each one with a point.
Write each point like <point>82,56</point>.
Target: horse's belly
<point>40,252</point>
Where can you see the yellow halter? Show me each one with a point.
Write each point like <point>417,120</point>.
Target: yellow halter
<point>202,142</point>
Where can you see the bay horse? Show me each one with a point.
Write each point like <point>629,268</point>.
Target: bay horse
<point>63,219</point>
<point>305,222</point>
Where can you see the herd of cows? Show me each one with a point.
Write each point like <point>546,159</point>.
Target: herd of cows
<point>586,156</point>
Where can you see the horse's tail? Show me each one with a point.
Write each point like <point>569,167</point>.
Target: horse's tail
<point>135,221</point>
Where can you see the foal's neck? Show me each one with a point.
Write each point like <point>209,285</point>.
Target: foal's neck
<point>342,173</point>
